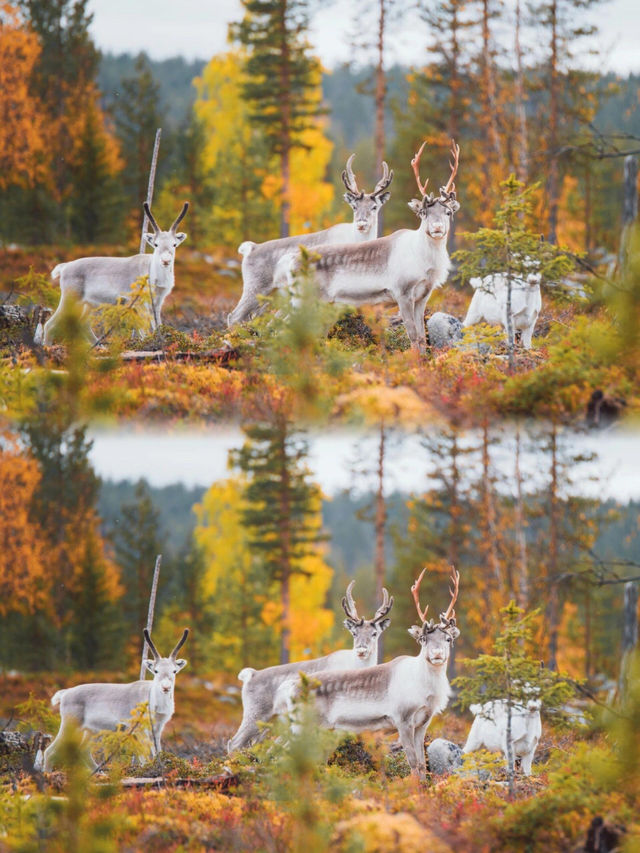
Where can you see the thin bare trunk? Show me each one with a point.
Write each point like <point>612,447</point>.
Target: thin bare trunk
<point>285,549</point>
<point>285,141</point>
<point>489,106</point>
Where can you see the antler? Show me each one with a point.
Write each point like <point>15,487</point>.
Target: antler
<point>152,221</point>
<point>348,604</point>
<point>455,150</point>
<point>415,592</point>
<point>182,215</point>
<point>415,165</point>
<point>152,648</point>
<point>385,180</point>
<point>385,607</point>
<point>455,577</point>
<point>349,179</point>
<point>185,634</point>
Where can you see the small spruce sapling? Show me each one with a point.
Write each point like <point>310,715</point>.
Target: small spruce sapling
<point>512,675</point>
<point>512,249</point>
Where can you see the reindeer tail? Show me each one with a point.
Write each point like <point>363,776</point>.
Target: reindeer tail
<point>246,674</point>
<point>55,272</point>
<point>55,699</point>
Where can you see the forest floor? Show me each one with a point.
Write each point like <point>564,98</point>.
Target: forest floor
<point>348,367</point>
<point>340,793</point>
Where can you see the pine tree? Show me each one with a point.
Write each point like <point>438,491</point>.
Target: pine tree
<point>280,79</point>
<point>279,511</point>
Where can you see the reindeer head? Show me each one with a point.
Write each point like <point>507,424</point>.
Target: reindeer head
<point>436,638</point>
<point>365,206</point>
<point>366,632</point>
<point>165,243</point>
<point>164,670</point>
<point>436,211</point>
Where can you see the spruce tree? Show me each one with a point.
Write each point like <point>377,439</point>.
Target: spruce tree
<point>137,117</point>
<point>137,544</point>
<point>280,79</point>
<point>279,504</point>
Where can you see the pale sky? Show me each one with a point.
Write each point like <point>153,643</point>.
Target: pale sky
<point>199,457</point>
<point>198,29</point>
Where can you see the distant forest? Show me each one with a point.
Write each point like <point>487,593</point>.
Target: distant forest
<point>346,95</point>
<point>342,514</point>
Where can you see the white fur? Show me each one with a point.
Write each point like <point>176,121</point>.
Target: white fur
<point>489,303</point>
<point>489,730</point>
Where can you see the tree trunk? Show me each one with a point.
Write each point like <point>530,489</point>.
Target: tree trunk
<point>285,551</point>
<point>553,177</point>
<point>523,147</point>
<point>629,631</point>
<point>381,92</point>
<point>489,116</point>
<point>490,532</point>
<point>380,522</point>
<point>523,585</point>
<point>553,603</point>
<point>630,204</point>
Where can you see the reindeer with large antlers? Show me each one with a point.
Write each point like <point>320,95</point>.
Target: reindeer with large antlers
<point>403,268</point>
<point>102,706</point>
<point>104,280</point>
<point>259,260</point>
<point>260,686</point>
<point>403,694</point>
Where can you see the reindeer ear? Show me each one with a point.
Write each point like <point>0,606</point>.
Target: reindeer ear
<point>349,624</point>
<point>180,236</point>
<point>415,205</point>
<point>453,632</point>
<point>150,239</point>
<point>349,198</point>
<point>383,198</point>
<point>180,663</point>
<point>383,624</point>
<point>150,664</point>
<point>454,205</point>
<point>415,632</point>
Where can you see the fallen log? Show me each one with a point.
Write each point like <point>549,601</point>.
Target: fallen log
<point>224,355</point>
<point>222,782</point>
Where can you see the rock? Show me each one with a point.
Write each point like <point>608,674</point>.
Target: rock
<point>444,756</point>
<point>444,330</point>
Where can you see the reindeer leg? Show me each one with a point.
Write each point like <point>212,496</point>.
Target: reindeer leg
<point>419,748</point>
<point>407,739</point>
<point>419,309</point>
<point>408,318</point>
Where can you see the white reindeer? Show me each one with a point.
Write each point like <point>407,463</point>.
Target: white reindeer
<point>489,303</point>
<point>104,280</point>
<point>260,686</point>
<point>259,260</point>
<point>102,706</point>
<point>403,694</point>
<point>403,268</point>
<point>489,730</point>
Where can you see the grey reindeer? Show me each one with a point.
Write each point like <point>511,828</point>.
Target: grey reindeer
<point>259,260</point>
<point>104,280</point>
<point>260,686</point>
<point>103,706</point>
<point>403,694</point>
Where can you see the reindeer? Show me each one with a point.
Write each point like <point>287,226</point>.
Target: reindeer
<point>100,707</point>
<point>260,686</point>
<point>104,280</point>
<point>403,694</point>
<point>259,260</point>
<point>403,268</point>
